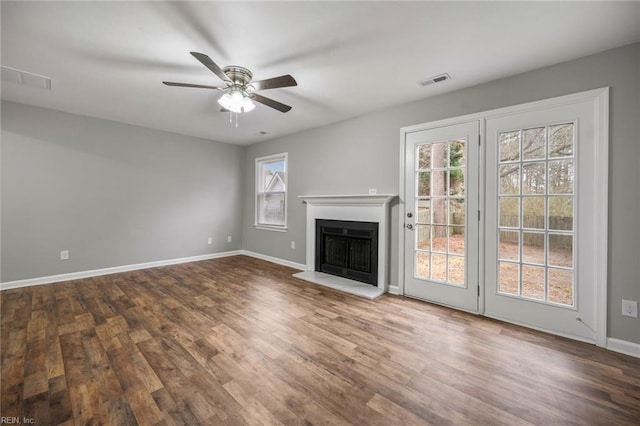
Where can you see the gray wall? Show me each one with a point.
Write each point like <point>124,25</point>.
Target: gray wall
<point>362,153</point>
<point>112,194</point>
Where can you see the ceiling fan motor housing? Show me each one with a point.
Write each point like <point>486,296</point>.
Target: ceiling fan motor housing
<point>240,76</point>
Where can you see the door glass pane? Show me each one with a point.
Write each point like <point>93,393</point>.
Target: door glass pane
<point>533,178</point>
<point>533,282</point>
<point>439,238</point>
<point>509,278</point>
<point>456,239</point>
<point>439,267</point>
<point>424,157</point>
<point>509,212</point>
<point>561,250</point>
<point>423,237</point>
<point>423,211</point>
<point>438,183</point>
<point>561,213</point>
<point>561,177</point>
<point>536,224</point>
<point>456,182</point>
<point>509,146</point>
<point>510,179</point>
<point>533,215</point>
<point>561,286</point>
<point>561,140</point>
<point>533,144</point>
<point>509,245</point>
<point>533,247</point>
<point>456,270</point>
<point>440,211</point>
<point>424,184</point>
<point>422,264</point>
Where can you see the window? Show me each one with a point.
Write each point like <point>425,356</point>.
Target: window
<point>271,192</point>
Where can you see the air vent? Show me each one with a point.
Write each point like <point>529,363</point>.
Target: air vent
<point>24,77</point>
<point>437,79</point>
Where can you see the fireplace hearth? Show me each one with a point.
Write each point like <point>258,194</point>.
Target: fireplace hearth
<point>348,249</point>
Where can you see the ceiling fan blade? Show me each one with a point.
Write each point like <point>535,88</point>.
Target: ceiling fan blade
<point>207,62</point>
<point>275,82</point>
<point>198,86</point>
<point>270,103</point>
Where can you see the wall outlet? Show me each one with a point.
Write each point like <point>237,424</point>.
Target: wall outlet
<point>210,240</point>
<point>229,239</point>
<point>64,255</point>
<point>373,191</point>
<point>293,244</point>
<point>630,308</point>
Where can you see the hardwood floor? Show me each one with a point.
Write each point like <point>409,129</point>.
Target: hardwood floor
<point>239,341</point>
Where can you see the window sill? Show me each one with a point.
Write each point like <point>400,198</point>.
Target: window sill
<point>270,228</point>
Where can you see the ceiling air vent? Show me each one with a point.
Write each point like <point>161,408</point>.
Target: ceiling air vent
<point>437,79</point>
<point>24,77</point>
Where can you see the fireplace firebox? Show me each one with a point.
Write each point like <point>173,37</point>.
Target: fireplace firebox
<point>348,249</point>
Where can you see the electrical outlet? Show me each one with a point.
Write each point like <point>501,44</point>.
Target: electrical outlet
<point>630,308</point>
<point>229,239</point>
<point>373,191</point>
<point>64,255</point>
<point>293,244</point>
<point>210,240</point>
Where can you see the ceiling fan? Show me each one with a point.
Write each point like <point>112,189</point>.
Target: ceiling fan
<point>240,90</point>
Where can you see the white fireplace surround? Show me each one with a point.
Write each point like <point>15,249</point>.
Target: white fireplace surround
<point>361,208</point>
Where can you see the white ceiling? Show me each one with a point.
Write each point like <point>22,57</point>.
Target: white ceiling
<point>108,59</point>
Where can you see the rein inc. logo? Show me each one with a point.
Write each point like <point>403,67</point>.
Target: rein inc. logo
<point>17,420</point>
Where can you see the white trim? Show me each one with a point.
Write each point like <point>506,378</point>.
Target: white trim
<point>272,259</point>
<point>112,270</point>
<point>601,168</point>
<point>270,228</point>
<point>623,347</point>
<point>395,289</point>
<point>350,199</point>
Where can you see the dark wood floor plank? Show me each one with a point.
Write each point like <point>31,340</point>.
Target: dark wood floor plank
<point>239,341</point>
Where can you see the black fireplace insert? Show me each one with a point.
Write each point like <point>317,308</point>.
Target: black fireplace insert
<point>348,249</point>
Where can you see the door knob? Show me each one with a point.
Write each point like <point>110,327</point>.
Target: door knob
<point>409,226</point>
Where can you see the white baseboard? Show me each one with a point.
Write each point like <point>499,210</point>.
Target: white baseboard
<point>112,270</point>
<point>394,289</point>
<point>277,260</point>
<point>623,347</point>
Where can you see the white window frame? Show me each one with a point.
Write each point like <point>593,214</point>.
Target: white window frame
<point>267,159</point>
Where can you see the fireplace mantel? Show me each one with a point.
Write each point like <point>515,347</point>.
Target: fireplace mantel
<point>355,207</point>
<point>357,199</point>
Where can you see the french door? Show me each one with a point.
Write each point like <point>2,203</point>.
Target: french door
<point>541,238</point>
<point>537,255</point>
<point>441,223</point>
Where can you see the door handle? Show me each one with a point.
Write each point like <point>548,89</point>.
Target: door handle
<point>409,226</point>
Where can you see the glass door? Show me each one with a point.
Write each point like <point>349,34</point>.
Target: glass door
<point>441,227</point>
<point>540,224</point>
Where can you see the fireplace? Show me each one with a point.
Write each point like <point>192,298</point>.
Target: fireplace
<point>364,208</point>
<point>348,249</point>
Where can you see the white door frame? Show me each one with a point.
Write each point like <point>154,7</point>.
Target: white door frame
<point>600,99</point>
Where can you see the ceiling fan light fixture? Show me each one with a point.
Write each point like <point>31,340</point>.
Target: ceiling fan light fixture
<point>247,104</point>
<point>225,101</point>
<point>236,101</point>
